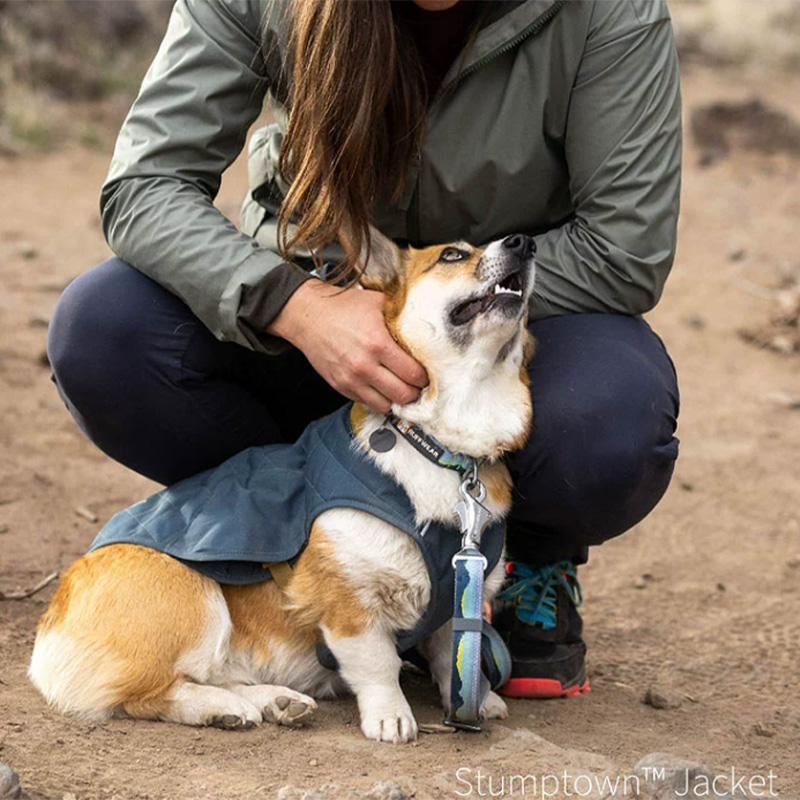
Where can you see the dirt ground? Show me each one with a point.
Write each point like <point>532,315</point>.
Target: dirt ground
<point>716,616</point>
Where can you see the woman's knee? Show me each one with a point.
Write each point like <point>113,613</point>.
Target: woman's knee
<point>96,333</point>
<point>597,485</point>
<point>599,459</point>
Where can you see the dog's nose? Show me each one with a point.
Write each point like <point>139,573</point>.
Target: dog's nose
<point>520,245</point>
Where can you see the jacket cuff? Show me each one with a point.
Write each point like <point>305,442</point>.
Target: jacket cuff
<point>263,301</point>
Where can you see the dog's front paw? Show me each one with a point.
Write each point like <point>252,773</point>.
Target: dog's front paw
<point>389,721</point>
<point>494,707</point>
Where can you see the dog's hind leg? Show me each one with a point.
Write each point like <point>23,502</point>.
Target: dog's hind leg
<point>277,704</point>
<point>190,703</point>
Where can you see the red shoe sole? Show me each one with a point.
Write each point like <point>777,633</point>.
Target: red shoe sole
<point>541,688</point>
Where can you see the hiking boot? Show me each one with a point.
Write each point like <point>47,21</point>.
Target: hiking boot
<point>536,614</point>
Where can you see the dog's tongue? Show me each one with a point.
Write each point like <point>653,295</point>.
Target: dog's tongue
<point>467,312</point>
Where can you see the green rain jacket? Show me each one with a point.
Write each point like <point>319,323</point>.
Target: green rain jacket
<point>562,122</point>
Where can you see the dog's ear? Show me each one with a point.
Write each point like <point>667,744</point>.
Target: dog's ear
<point>382,264</point>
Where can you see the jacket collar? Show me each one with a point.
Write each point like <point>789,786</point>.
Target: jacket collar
<point>508,20</point>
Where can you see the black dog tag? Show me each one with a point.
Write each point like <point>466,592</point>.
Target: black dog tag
<point>382,440</point>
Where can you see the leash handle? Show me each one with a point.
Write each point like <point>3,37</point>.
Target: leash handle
<point>467,681</point>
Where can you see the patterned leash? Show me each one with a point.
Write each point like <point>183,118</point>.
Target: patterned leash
<point>476,645</point>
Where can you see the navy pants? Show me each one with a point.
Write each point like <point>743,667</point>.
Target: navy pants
<point>153,388</point>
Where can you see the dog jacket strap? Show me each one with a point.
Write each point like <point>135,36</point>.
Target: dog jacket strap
<point>281,572</point>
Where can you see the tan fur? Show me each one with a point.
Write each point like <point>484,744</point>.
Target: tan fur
<point>321,595</point>
<point>95,607</point>
<point>497,480</point>
<point>260,615</point>
<point>358,415</point>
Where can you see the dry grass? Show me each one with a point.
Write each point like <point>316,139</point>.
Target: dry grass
<point>70,68</point>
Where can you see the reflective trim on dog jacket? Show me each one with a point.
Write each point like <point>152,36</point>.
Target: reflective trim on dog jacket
<point>259,506</point>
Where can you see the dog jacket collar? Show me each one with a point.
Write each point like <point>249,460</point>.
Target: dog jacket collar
<point>258,507</point>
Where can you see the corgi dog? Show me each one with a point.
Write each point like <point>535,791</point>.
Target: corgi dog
<point>138,633</point>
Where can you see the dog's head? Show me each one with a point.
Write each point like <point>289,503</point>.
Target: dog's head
<point>461,312</point>
<point>454,302</point>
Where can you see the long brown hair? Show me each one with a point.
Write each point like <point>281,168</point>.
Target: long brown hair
<point>356,119</point>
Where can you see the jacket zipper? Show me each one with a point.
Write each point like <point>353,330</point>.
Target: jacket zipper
<point>413,218</point>
<point>533,28</point>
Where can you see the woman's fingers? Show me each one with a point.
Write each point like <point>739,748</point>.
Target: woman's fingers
<point>390,386</point>
<point>404,366</point>
<point>374,400</point>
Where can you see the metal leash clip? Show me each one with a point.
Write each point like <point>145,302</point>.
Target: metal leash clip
<point>472,515</point>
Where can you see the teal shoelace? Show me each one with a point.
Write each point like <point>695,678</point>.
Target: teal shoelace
<point>534,590</point>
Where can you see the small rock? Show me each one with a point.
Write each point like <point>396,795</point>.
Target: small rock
<point>695,322</point>
<point>3,528</point>
<point>786,400</point>
<point>384,790</point>
<point>28,251</point>
<point>687,487</point>
<point>86,513</point>
<point>658,697</point>
<point>293,793</point>
<point>9,783</point>
<point>640,583</point>
<point>767,729</point>
<point>721,586</point>
<point>793,563</point>
<point>435,727</point>
<point>69,796</point>
<point>38,322</point>
<point>313,763</point>
<point>666,776</point>
<point>737,255</point>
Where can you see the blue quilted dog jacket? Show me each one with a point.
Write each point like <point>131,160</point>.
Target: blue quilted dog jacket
<point>259,505</point>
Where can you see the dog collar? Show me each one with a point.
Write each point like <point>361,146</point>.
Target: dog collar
<point>383,439</point>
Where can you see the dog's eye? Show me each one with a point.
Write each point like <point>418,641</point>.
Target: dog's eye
<point>451,254</point>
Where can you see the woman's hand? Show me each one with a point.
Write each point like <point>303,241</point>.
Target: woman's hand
<point>344,337</point>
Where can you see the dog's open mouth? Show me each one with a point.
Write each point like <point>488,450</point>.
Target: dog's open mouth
<point>508,291</point>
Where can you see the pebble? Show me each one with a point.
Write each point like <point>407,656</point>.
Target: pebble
<point>767,729</point>
<point>695,322</point>
<point>3,528</point>
<point>658,697</point>
<point>386,791</point>
<point>382,790</point>
<point>9,783</point>
<point>664,776</point>
<point>86,513</point>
